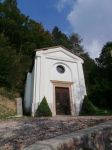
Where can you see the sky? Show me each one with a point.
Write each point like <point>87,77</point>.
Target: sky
<point>91,19</point>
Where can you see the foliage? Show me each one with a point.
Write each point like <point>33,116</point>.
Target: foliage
<point>75,41</point>
<point>90,71</point>
<point>19,36</point>
<point>105,59</point>
<point>101,90</point>
<point>7,63</point>
<point>43,109</point>
<point>6,93</point>
<point>98,75</point>
<point>87,107</point>
<point>60,38</point>
<point>72,42</point>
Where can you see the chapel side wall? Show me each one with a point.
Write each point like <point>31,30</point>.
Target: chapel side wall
<point>36,85</point>
<point>32,89</point>
<point>81,88</point>
<point>76,88</point>
<point>27,96</point>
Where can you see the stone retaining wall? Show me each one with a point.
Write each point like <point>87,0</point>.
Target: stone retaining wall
<point>95,138</point>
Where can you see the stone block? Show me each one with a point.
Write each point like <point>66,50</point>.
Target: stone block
<point>19,106</point>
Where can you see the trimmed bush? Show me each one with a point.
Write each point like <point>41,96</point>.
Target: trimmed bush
<point>88,108</point>
<point>43,109</point>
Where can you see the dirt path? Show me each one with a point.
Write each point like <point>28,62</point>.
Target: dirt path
<point>17,134</point>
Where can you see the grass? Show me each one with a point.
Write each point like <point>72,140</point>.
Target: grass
<point>101,112</point>
<point>7,107</point>
<point>6,112</point>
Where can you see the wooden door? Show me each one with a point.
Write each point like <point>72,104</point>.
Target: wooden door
<point>62,98</point>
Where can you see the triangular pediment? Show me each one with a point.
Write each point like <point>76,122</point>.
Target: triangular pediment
<point>60,53</point>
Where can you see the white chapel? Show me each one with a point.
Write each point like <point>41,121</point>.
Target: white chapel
<point>58,76</point>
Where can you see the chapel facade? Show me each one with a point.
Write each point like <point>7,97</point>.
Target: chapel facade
<point>58,76</point>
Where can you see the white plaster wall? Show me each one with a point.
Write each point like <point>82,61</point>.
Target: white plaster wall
<point>55,75</point>
<point>36,85</point>
<point>52,74</point>
<point>29,88</point>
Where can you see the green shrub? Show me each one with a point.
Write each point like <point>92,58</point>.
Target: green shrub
<point>87,107</point>
<point>43,109</point>
<point>6,93</point>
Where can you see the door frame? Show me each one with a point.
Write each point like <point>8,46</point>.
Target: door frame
<point>62,84</point>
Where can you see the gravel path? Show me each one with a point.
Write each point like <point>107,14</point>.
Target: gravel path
<point>17,134</point>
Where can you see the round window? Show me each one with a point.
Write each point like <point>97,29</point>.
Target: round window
<point>60,69</point>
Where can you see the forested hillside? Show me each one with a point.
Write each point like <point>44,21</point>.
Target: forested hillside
<point>20,35</point>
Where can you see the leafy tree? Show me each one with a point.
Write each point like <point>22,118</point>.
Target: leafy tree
<point>60,38</point>
<point>105,59</point>
<point>10,3</point>
<point>90,71</point>
<point>24,35</point>
<point>7,63</point>
<point>75,41</point>
<point>29,34</point>
<point>102,91</point>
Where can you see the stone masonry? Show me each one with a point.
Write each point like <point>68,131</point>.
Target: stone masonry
<point>94,138</point>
